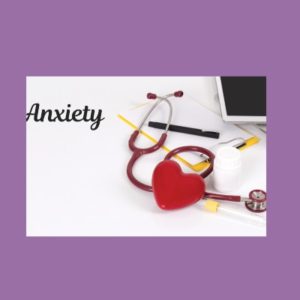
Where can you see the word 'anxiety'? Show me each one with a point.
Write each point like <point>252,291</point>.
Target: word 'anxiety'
<point>66,115</point>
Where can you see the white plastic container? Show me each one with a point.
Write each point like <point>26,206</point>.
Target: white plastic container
<point>227,169</point>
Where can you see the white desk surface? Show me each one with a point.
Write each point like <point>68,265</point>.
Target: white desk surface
<point>76,178</point>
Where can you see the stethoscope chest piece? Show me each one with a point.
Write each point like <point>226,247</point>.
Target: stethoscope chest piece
<point>258,201</point>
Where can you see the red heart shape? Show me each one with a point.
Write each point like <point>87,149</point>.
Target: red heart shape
<point>174,189</point>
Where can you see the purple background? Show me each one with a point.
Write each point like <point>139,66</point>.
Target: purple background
<point>150,38</point>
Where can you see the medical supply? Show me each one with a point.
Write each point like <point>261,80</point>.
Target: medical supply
<point>257,205</point>
<point>238,143</point>
<point>173,188</point>
<point>138,152</point>
<point>227,169</point>
<point>258,201</point>
<point>211,205</point>
<point>234,212</point>
<point>182,129</point>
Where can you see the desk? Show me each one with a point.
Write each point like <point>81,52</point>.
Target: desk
<point>76,178</point>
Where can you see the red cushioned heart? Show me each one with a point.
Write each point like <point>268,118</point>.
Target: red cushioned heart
<point>174,189</point>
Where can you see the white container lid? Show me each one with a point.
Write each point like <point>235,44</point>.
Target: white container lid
<point>228,158</point>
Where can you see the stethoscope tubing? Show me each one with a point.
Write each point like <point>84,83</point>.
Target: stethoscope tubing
<point>251,204</point>
<point>137,153</point>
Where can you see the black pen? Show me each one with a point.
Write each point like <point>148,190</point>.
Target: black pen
<point>188,130</point>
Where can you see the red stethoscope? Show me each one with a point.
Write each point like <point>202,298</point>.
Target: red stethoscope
<point>173,188</point>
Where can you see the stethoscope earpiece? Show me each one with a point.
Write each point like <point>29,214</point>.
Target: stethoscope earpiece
<point>152,96</point>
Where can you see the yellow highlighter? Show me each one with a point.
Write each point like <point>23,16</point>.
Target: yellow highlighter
<point>249,142</point>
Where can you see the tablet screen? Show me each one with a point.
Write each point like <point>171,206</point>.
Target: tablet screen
<point>245,96</point>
